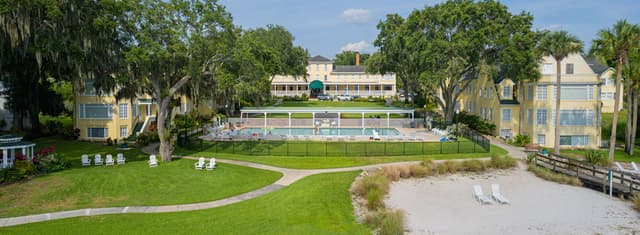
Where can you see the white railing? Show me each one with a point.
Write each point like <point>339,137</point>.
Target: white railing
<point>147,122</point>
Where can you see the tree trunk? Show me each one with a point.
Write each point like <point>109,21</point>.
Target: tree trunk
<point>634,125</point>
<point>612,139</point>
<point>165,139</point>
<point>556,140</point>
<point>627,135</point>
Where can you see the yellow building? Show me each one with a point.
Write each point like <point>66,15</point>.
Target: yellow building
<point>500,102</point>
<point>102,117</point>
<point>323,77</point>
<point>607,92</point>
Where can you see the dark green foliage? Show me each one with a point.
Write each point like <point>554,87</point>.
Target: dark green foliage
<point>596,157</point>
<point>184,122</point>
<point>349,58</point>
<point>147,137</point>
<point>476,123</point>
<point>304,97</point>
<point>521,140</point>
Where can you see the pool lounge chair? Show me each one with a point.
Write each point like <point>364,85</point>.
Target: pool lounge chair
<point>85,160</point>
<point>120,159</point>
<point>200,164</point>
<point>153,162</point>
<point>479,196</point>
<point>496,195</point>
<point>376,136</point>
<point>109,160</point>
<point>212,164</point>
<point>97,160</point>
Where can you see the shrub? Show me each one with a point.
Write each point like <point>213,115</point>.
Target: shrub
<point>596,157</point>
<point>531,157</point>
<point>555,177</point>
<point>473,165</point>
<point>503,162</point>
<point>377,180</point>
<point>521,140</point>
<point>391,172</point>
<point>453,166</point>
<point>405,171</point>
<point>392,223</point>
<point>476,123</point>
<point>26,166</point>
<point>420,171</point>
<point>374,199</point>
<point>147,137</point>
<point>636,201</point>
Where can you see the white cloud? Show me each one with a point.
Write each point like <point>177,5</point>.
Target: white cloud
<point>356,15</point>
<point>551,27</point>
<point>357,46</point>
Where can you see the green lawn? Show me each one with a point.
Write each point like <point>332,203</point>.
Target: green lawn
<point>134,183</point>
<point>318,204</point>
<point>336,161</point>
<point>607,119</point>
<point>619,155</point>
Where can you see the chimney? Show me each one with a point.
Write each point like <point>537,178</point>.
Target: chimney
<point>357,58</point>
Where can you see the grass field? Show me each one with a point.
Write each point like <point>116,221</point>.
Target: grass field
<point>318,204</point>
<point>619,155</point>
<point>134,183</point>
<point>339,160</point>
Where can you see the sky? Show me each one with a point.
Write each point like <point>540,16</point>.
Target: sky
<point>327,27</point>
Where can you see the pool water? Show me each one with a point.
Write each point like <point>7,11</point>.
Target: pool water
<point>321,131</point>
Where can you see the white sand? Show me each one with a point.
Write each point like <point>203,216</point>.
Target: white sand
<point>444,205</point>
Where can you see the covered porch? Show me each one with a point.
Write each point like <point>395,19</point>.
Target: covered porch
<point>12,147</point>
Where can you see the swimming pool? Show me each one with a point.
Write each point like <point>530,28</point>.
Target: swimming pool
<point>321,131</point>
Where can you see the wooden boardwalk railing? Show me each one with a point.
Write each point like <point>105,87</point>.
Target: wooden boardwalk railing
<point>591,175</point>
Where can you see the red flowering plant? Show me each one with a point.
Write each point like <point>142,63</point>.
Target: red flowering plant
<point>46,161</point>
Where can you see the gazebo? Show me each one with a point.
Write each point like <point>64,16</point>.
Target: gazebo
<point>10,145</point>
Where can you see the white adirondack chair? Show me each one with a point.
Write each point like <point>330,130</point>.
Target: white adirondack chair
<point>153,162</point>
<point>85,160</point>
<point>212,164</point>
<point>109,160</point>
<point>97,160</point>
<point>200,164</point>
<point>120,159</point>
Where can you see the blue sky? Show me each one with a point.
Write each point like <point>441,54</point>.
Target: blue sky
<point>326,27</point>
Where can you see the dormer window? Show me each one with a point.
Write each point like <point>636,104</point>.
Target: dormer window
<point>506,92</point>
<point>569,69</point>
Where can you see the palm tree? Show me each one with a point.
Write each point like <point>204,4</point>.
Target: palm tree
<point>559,45</point>
<point>613,45</point>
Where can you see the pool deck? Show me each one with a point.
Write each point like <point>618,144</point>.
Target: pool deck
<point>406,134</point>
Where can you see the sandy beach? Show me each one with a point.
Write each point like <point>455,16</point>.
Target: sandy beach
<point>444,205</point>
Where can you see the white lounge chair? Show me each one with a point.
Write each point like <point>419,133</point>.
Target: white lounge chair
<point>120,159</point>
<point>200,164</point>
<point>212,164</point>
<point>109,160</point>
<point>635,167</point>
<point>496,195</point>
<point>97,160</point>
<point>376,136</point>
<point>478,195</point>
<point>153,162</point>
<point>85,160</point>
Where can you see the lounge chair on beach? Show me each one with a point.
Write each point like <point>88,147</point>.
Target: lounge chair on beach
<point>478,195</point>
<point>496,195</point>
<point>153,162</point>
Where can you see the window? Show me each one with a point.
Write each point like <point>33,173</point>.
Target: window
<point>530,92</point>
<point>607,81</point>
<point>506,92</point>
<point>359,76</point>
<point>123,111</point>
<point>541,92</point>
<point>89,89</point>
<point>490,93</point>
<point>367,77</point>
<point>97,132</point>
<point>483,113</point>
<point>124,132</point>
<point>325,67</point>
<point>530,115</point>
<point>574,140</point>
<point>574,92</point>
<point>574,117</point>
<point>490,113</point>
<point>317,77</point>
<point>546,68</point>
<point>607,95</point>
<point>506,133</point>
<point>387,87</point>
<point>325,78</point>
<point>96,111</point>
<point>506,115</point>
<point>541,139</point>
<point>541,116</point>
<point>317,66</point>
<point>134,110</point>
<point>327,87</point>
<point>569,69</point>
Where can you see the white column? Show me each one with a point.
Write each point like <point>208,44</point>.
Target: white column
<point>346,89</point>
<point>12,155</point>
<point>313,119</point>
<point>241,116</point>
<point>4,158</point>
<point>286,89</point>
<point>297,89</point>
<point>24,151</point>
<point>31,153</point>
<point>358,87</point>
<point>265,120</point>
<point>387,120</point>
<point>289,121</point>
<point>338,119</point>
<point>363,120</point>
<point>369,89</point>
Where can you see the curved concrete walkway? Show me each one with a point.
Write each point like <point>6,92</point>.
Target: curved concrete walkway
<point>289,176</point>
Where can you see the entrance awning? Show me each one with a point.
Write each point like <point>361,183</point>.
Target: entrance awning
<point>316,84</point>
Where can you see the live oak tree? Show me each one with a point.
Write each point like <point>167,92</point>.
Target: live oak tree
<point>613,45</point>
<point>456,41</point>
<point>559,45</point>
<point>163,51</point>
<point>349,58</point>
